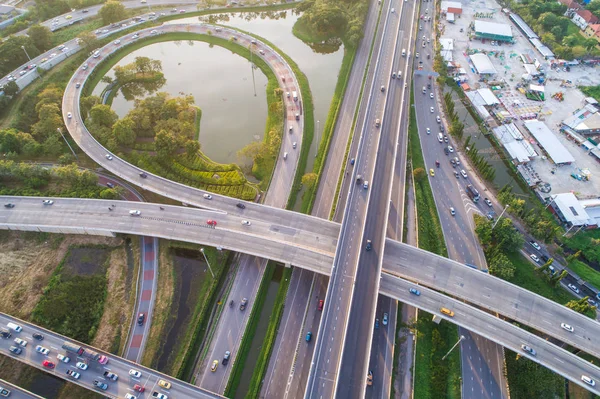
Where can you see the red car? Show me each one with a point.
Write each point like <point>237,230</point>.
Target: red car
<point>138,388</point>
<point>211,222</point>
<point>48,364</point>
<point>320,307</point>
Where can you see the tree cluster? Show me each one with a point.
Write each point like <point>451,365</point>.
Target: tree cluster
<point>112,11</point>
<point>497,242</point>
<point>548,20</point>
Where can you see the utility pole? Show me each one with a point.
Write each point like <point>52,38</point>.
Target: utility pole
<point>28,57</point>
<point>317,142</point>
<point>206,259</point>
<point>64,138</point>
<point>497,220</point>
<point>455,345</point>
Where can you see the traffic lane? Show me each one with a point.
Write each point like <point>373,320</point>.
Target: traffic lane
<point>95,371</point>
<point>480,376</point>
<point>382,347</point>
<point>495,295</point>
<point>17,392</point>
<point>232,324</point>
<point>488,326</point>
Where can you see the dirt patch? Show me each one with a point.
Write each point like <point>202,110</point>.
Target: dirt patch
<point>164,298</point>
<point>117,310</point>
<point>26,262</point>
<point>86,261</point>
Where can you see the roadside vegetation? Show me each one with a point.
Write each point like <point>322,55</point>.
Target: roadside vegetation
<point>591,91</point>
<point>527,379</point>
<point>433,378</point>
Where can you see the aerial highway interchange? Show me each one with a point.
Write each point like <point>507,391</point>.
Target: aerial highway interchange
<point>308,242</point>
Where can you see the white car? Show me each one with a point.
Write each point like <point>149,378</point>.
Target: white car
<point>153,32</point>
<point>42,350</point>
<point>73,373</point>
<point>117,42</point>
<point>588,380</point>
<point>135,36</point>
<point>534,258</point>
<point>246,222</point>
<point>417,55</point>
<point>64,50</point>
<point>109,157</point>
<point>135,212</point>
<point>207,196</point>
<point>437,118</point>
<point>428,131</point>
<point>463,173</point>
<point>430,95</point>
<point>567,327</point>
<point>573,288</point>
<point>450,148</point>
<point>20,342</point>
<point>431,109</point>
<point>135,373</point>
<point>129,396</point>
<point>69,115</point>
<point>81,365</point>
<point>63,358</point>
<point>294,145</point>
<point>528,349</point>
<point>535,245</point>
<point>48,202</point>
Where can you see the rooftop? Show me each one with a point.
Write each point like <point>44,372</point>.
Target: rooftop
<point>483,64</point>
<point>544,136</point>
<point>571,209</point>
<point>492,28</point>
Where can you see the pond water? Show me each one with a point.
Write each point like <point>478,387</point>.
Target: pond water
<point>234,108</point>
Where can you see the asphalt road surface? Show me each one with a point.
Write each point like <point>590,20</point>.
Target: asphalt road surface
<point>16,392</point>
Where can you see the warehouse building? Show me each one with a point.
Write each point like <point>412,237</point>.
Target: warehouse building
<point>493,31</point>
<point>559,154</point>
<point>482,64</point>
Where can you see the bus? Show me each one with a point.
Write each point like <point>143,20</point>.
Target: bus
<point>473,193</point>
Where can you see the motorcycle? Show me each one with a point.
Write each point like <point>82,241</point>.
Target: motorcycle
<point>231,303</point>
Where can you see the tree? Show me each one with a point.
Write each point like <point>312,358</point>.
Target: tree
<point>557,277</point>
<point>103,115</point>
<point>419,174</point>
<point>191,148</point>
<point>123,131</point>
<point>309,180</point>
<point>88,39</point>
<point>501,266</point>
<point>506,237</point>
<point>11,88</point>
<point>581,305</point>
<point>548,20</point>
<point>545,266</point>
<point>49,121</point>
<point>549,38</point>
<point>41,37</point>
<point>558,32</point>
<point>579,51</point>
<point>165,144</point>
<point>112,11</point>
<point>483,229</point>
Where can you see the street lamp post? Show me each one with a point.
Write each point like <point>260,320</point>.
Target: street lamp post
<point>455,345</point>
<point>206,259</point>
<point>28,57</point>
<point>69,145</point>
<point>497,220</point>
<point>317,142</point>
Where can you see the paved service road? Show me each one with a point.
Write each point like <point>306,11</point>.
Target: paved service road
<point>116,389</point>
<point>16,392</point>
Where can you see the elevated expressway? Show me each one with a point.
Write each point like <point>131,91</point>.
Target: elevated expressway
<point>268,216</point>
<point>305,240</point>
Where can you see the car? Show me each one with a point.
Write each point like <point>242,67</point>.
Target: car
<point>42,350</point>
<point>81,365</point>
<point>573,288</point>
<point>211,222</point>
<point>535,245</point>
<point>181,11</point>
<point>447,312</point>
<point>382,89</point>
<point>9,205</point>
<point>246,222</point>
<point>69,115</point>
<point>490,215</point>
<point>130,396</point>
<point>138,388</point>
<point>588,380</point>
<point>385,319</point>
<point>164,384</point>
<point>320,305</point>
<point>528,349</point>
<point>487,201</point>
<point>437,118</point>
<point>393,10</point>
<point>38,336</point>
<point>21,342</point>
<point>109,157</point>
<point>370,375</point>
<point>308,336</point>
<point>141,318</point>
<point>135,373</point>
<point>352,161</point>
<point>48,364</point>
<point>393,75</point>
<point>432,172</point>
<point>159,395</point>
<point>452,211</point>
<point>111,376</point>
<point>431,109</point>
<point>100,385</point>
<point>428,131</point>
<point>369,245</point>
<point>153,32</point>
<point>207,196</point>
<point>85,11</point>
<point>68,17</point>
<point>377,324</point>
<point>463,173</point>
<point>64,50</point>
<point>414,291</point>
<point>430,95</point>
<point>456,174</point>
<point>534,258</point>
<point>135,36</point>
<point>214,365</point>
<point>63,358</point>
<point>450,149</point>
<point>73,374</point>
<point>32,66</point>
<point>135,212</point>
<point>110,185</point>
<point>417,55</point>
<point>567,327</point>
<point>62,46</point>
<point>15,349</point>
<point>294,144</point>
<point>243,303</point>
<point>241,205</point>
<point>117,42</point>
<point>377,122</point>
<point>226,357</point>
<point>446,151</point>
<point>43,60</point>
<point>143,175</point>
